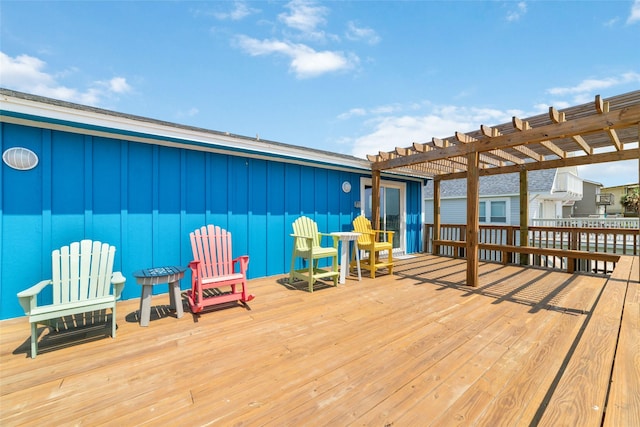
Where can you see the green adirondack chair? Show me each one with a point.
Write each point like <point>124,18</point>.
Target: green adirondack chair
<point>307,244</point>
<point>82,279</point>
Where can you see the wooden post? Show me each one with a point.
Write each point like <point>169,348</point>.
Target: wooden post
<point>375,199</point>
<point>473,220</point>
<point>524,215</point>
<point>436,214</point>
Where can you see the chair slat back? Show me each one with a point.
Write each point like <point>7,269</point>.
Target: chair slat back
<point>211,245</point>
<point>305,226</point>
<point>82,271</point>
<point>362,225</point>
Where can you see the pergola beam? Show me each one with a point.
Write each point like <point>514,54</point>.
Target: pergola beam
<point>490,132</point>
<point>614,156</point>
<point>622,118</point>
<point>466,139</point>
<point>603,107</point>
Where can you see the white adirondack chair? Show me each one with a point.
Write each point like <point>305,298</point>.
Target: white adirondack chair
<point>82,277</point>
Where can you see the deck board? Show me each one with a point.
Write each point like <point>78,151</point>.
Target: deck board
<point>415,348</point>
<point>624,398</point>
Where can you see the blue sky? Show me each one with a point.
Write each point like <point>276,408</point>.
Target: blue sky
<point>353,77</point>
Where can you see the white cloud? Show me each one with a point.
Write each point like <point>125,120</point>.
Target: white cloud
<point>360,33</point>
<point>613,173</point>
<point>515,15</point>
<point>23,71</point>
<point>354,112</point>
<point>118,85</point>
<point>27,74</point>
<point>634,16</point>
<point>401,130</point>
<point>191,112</point>
<point>305,61</point>
<point>587,87</point>
<point>240,11</point>
<point>304,15</point>
<point>611,22</point>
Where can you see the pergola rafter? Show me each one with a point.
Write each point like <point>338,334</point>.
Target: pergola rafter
<point>602,131</point>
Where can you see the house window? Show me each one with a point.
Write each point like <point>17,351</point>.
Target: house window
<point>494,211</point>
<point>499,211</point>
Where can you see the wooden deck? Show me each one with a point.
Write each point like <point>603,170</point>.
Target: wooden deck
<point>527,347</point>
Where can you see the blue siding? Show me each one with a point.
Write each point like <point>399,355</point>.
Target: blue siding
<point>257,218</point>
<point>276,232</point>
<point>107,173</point>
<point>145,199</point>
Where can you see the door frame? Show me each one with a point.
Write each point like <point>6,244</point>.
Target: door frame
<point>402,186</point>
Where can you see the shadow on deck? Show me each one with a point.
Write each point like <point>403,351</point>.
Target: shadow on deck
<point>526,347</point>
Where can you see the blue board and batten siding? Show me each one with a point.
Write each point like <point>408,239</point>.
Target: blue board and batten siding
<point>146,198</point>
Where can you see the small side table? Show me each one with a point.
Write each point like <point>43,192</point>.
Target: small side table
<point>154,276</point>
<point>346,237</point>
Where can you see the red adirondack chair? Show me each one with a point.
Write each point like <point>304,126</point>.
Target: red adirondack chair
<point>214,279</point>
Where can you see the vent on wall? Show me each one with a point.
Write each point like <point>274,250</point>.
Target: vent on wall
<point>20,158</point>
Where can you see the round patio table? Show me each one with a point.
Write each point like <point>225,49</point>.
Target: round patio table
<point>346,237</point>
<point>149,277</point>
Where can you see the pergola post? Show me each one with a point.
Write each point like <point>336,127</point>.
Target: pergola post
<point>473,219</point>
<point>375,199</point>
<point>436,215</point>
<point>524,215</point>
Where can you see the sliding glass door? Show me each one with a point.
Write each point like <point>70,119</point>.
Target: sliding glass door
<point>392,203</point>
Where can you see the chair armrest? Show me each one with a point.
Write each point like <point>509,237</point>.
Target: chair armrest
<point>117,280</point>
<point>389,234</point>
<point>243,260</point>
<point>298,236</point>
<point>333,236</point>
<point>194,266</point>
<point>29,297</point>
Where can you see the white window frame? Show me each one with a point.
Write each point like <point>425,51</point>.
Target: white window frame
<point>487,203</point>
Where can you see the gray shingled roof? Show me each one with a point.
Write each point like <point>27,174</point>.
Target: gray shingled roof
<point>539,181</point>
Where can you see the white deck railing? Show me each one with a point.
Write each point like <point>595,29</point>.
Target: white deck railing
<point>632,223</point>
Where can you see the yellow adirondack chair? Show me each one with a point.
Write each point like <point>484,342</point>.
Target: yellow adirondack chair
<point>82,277</point>
<point>307,244</point>
<point>368,242</point>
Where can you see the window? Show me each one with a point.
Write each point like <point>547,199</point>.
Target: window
<point>499,211</point>
<point>494,211</point>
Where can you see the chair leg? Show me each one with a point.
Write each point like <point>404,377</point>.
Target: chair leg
<point>113,321</point>
<point>372,264</point>
<point>291,271</point>
<point>34,340</point>
<point>391,262</point>
<point>312,264</point>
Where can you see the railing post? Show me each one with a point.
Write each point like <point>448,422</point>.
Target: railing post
<point>427,238</point>
<point>507,255</point>
<point>524,215</point>
<point>436,215</point>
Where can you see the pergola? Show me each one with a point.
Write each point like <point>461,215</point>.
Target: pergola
<point>591,133</point>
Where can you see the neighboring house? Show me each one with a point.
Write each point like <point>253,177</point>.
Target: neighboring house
<point>142,185</point>
<point>549,190</point>
<point>594,201</point>
<point>618,192</point>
